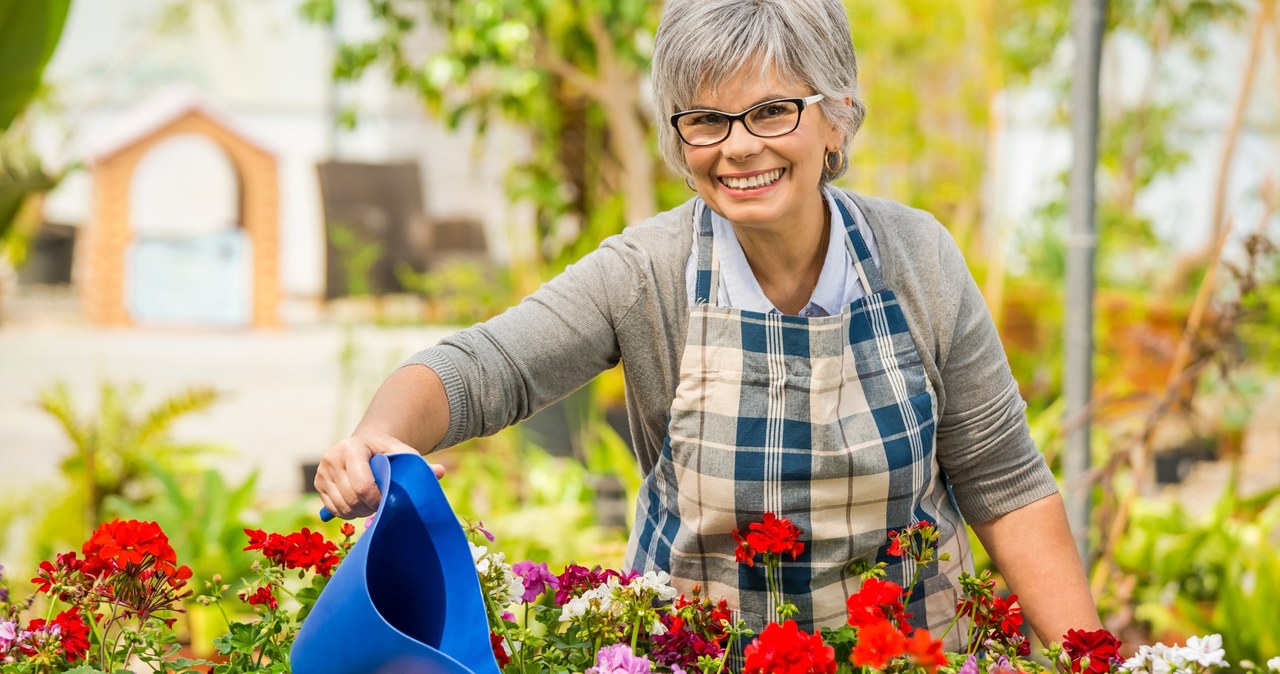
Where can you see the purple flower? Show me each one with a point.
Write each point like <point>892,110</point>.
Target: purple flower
<point>508,616</point>
<point>8,635</point>
<point>536,578</point>
<point>624,579</point>
<point>481,529</point>
<point>681,646</point>
<point>618,659</point>
<point>970,666</point>
<point>1001,666</point>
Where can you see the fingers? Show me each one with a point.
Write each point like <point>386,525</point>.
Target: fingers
<point>438,470</point>
<point>345,482</point>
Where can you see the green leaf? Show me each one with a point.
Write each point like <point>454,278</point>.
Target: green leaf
<point>29,32</point>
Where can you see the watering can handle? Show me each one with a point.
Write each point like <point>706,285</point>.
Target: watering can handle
<point>378,477</point>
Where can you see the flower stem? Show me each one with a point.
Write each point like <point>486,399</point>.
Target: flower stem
<point>635,632</point>
<point>724,657</point>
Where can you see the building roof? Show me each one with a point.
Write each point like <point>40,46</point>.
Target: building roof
<point>161,109</point>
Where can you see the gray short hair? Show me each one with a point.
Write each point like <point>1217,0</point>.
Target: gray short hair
<point>701,43</point>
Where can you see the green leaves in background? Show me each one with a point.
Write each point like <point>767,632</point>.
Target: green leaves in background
<point>29,32</point>
<point>1213,573</point>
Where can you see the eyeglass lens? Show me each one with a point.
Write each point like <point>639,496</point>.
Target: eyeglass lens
<point>773,118</point>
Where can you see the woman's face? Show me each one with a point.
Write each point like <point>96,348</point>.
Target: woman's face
<point>796,158</point>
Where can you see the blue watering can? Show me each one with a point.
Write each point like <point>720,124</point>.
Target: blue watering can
<point>406,600</point>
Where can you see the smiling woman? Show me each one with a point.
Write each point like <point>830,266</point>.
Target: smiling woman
<point>789,347</point>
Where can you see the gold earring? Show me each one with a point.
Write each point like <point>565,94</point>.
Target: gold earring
<point>839,163</point>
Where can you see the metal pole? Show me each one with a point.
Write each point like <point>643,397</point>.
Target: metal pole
<point>1088,25</point>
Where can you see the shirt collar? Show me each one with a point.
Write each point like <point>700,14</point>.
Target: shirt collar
<point>744,290</point>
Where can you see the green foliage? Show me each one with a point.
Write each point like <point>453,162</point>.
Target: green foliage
<point>21,176</point>
<point>204,517</point>
<point>569,73</point>
<point>461,292</point>
<point>29,32</point>
<point>515,491</point>
<point>355,257</point>
<point>1218,573</point>
<point>115,450</point>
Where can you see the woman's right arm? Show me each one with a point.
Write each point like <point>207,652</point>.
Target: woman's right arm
<point>409,413</point>
<point>491,375</point>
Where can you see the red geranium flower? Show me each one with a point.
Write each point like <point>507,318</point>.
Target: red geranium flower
<point>500,653</point>
<point>786,649</point>
<point>743,554</point>
<point>1100,646</point>
<point>925,651</point>
<point>776,535</point>
<point>263,596</point>
<point>304,549</point>
<point>119,543</point>
<point>1006,614</point>
<point>895,545</point>
<point>878,643</point>
<point>71,631</point>
<point>74,634</point>
<point>877,600</point>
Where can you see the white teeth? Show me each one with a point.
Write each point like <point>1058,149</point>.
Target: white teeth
<point>754,181</point>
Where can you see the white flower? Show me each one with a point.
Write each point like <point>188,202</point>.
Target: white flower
<point>598,599</point>
<point>1206,651</point>
<point>1157,659</point>
<point>1274,664</point>
<point>477,551</point>
<point>514,588</point>
<point>657,629</point>
<point>1136,664</point>
<point>574,608</point>
<point>656,583</point>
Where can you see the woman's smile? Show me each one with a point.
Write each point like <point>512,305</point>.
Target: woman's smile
<point>752,183</point>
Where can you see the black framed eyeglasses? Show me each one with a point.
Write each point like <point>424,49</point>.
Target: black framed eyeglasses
<point>769,119</point>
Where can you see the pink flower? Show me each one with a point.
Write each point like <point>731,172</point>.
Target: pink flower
<point>8,635</point>
<point>536,578</point>
<point>618,659</point>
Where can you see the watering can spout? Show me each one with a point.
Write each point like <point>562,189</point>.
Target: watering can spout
<point>406,599</point>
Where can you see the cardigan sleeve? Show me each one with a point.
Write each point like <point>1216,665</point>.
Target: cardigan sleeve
<point>557,339</point>
<point>983,441</point>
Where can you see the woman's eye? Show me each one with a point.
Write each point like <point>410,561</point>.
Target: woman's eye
<point>707,119</point>
<point>774,110</point>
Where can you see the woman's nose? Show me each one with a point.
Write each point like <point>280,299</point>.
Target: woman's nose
<point>740,143</point>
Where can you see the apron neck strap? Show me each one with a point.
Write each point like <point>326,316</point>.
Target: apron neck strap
<point>863,263</point>
<point>708,278</point>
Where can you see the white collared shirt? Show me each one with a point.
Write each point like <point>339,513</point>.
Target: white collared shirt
<point>838,284</point>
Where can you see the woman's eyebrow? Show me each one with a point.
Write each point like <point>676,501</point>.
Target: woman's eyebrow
<point>767,97</point>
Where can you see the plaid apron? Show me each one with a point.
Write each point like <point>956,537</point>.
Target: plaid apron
<point>827,421</point>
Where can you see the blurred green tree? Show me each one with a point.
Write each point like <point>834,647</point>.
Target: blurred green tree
<point>569,72</point>
<point>29,32</point>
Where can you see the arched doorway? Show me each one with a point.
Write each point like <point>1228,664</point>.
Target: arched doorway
<point>189,260</point>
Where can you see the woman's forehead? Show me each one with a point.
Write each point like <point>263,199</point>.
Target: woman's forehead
<point>746,87</point>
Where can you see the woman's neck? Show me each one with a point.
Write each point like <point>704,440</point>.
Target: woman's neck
<point>787,261</point>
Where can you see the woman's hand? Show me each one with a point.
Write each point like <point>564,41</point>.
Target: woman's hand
<point>344,480</point>
<point>409,410</point>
